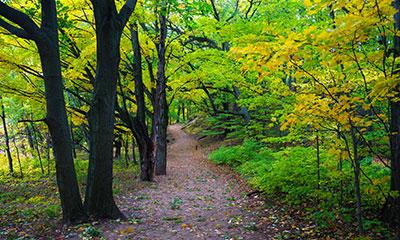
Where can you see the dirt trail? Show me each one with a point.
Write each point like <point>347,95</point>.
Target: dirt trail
<point>194,201</point>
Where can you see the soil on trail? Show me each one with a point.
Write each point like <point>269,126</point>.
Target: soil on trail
<point>196,200</point>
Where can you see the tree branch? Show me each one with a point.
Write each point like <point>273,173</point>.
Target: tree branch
<point>21,19</point>
<point>19,32</point>
<point>216,14</point>
<point>32,120</point>
<point>126,11</point>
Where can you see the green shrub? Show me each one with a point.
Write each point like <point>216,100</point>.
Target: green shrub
<point>236,155</point>
<point>52,211</point>
<point>291,175</point>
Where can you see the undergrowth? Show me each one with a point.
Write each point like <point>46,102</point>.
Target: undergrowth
<point>30,206</point>
<point>290,175</point>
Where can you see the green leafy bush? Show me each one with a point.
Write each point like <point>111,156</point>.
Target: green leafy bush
<point>237,155</point>
<point>292,175</point>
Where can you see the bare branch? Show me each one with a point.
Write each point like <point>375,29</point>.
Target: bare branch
<point>126,11</point>
<point>21,19</point>
<point>19,32</point>
<point>32,120</point>
<point>216,14</point>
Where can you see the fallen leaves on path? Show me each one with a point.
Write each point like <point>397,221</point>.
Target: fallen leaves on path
<point>191,202</point>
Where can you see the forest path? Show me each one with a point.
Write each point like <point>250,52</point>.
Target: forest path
<point>194,201</point>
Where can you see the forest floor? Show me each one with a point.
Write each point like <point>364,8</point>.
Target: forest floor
<point>195,200</point>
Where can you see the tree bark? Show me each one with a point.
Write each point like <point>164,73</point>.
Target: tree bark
<point>118,147</point>
<point>318,161</point>
<point>357,190</point>
<point>19,159</point>
<point>56,117</point>
<point>48,146</point>
<point>30,137</point>
<point>161,105</point>
<point>134,151</point>
<point>126,148</point>
<point>178,114</point>
<point>73,140</point>
<point>183,112</point>
<point>37,149</point>
<point>99,201</point>
<point>391,209</point>
<point>7,140</point>
<point>138,125</point>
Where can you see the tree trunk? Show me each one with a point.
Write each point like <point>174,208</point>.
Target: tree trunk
<point>30,137</point>
<point>161,108</point>
<point>73,140</point>
<point>391,209</point>
<point>134,151</point>
<point>18,158</point>
<point>37,149</point>
<point>118,147</point>
<point>146,158</point>
<point>178,114</point>
<point>126,147</point>
<point>56,117</point>
<point>183,112</point>
<point>318,162</point>
<point>138,126</point>
<point>99,201</point>
<point>48,146</point>
<point>23,148</point>
<point>357,191</point>
<point>7,140</point>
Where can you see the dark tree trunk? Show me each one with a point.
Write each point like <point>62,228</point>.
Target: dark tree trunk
<point>37,147</point>
<point>395,120</point>
<point>318,162</point>
<point>183,112</point>
<point>134,151</point>
<point>144,143</point>
<point>341,180</point>
<point>391,209</point>
<point>23,148</point>
<point>19,159</point>
<point>188,113</point>
<point>126,147</point>
<point>139,127</point>
<point>161,106</point>
<point>73,140</point>
<point>118,147</point>
<point>7,140</point>
<point>99,201</point>
<point>30,137</point>
<point>357,190</point>
<point>56,117</point>
<point>178,114</point>
<point>48,146</point>
<point>146,155</point>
